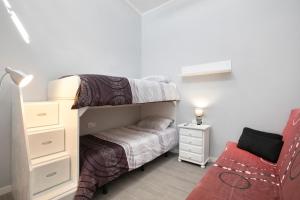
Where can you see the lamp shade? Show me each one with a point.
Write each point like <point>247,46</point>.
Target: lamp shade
<point>19,78</point>
<point>198,112</point>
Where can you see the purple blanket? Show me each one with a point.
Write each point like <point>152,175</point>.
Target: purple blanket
<point>100,90</point>
<point>100,162</point>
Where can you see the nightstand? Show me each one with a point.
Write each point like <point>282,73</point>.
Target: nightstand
<point>194,143</point>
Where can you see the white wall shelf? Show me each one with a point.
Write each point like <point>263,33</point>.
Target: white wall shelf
<point>207,69</point>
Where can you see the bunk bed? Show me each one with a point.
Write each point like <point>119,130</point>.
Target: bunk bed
<point>90,90</point>
<point>107,154</point>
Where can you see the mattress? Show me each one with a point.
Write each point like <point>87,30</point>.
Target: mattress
<point>143,91</point>
<point>106,155</point>
<point>141,145</point>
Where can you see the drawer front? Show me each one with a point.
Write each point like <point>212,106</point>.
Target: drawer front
<point>191,156</point>
<point>191,133</point>
<point>46,142</point>
<point>191,148</point>
<point>50,174</point>
<point>191,140</point>
<point>41,114</point>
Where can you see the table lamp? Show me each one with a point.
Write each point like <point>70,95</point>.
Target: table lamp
<point>199,115</point>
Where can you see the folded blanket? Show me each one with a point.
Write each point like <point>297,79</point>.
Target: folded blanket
<point>100,162</point>
<point>100,90</point>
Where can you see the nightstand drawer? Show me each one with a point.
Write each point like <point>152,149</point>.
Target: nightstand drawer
<point>191,148</point>
<point>191,133</point>
<point>191,156</point>
<point>191,140</point>
<point>46,142</point>
<point>50,174</point>
<point>41,114</point>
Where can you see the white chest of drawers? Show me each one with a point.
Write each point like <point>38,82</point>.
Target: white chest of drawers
<point>49,157</point>
<point>45,149</point>
<point>194,143</point>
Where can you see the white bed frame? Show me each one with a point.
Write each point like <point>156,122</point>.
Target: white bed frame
<point>64,90</point>
<point>71,120</point>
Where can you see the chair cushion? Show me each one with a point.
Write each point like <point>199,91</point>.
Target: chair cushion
<point>262,144</point>
<point>237,175</point>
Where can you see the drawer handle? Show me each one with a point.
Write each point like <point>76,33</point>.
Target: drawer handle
<point>46,143</point>
<point>41,114</point>
<point>51,174</point>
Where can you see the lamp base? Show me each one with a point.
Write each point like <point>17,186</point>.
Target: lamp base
<point>199,120</point>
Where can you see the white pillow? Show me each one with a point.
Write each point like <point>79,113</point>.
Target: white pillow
<point>155,122</point>
<point>157,78</point>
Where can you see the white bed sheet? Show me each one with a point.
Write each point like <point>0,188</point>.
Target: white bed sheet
<point>143,91</point>
<point>141,145</point>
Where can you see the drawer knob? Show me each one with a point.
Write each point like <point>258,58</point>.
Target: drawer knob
<point>41,114</point>
<point>51,174</point>
<point>47,142</point>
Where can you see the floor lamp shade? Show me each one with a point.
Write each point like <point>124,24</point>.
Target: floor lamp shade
<point>19,78</point>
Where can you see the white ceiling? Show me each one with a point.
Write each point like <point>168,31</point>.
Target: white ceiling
<point>142,6</point>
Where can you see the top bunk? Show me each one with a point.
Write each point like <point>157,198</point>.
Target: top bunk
<point>105,91</point>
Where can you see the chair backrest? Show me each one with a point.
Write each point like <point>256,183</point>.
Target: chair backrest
<point>289,159</point>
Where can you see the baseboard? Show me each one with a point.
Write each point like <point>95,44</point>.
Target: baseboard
<point>5,190</point>
<point>212,159</point>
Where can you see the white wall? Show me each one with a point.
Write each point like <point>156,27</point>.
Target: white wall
<point>262,38</point>
<point>107,118</point>
<point>67,37</point>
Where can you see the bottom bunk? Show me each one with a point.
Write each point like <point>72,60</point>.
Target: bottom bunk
<point>106,155</point>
